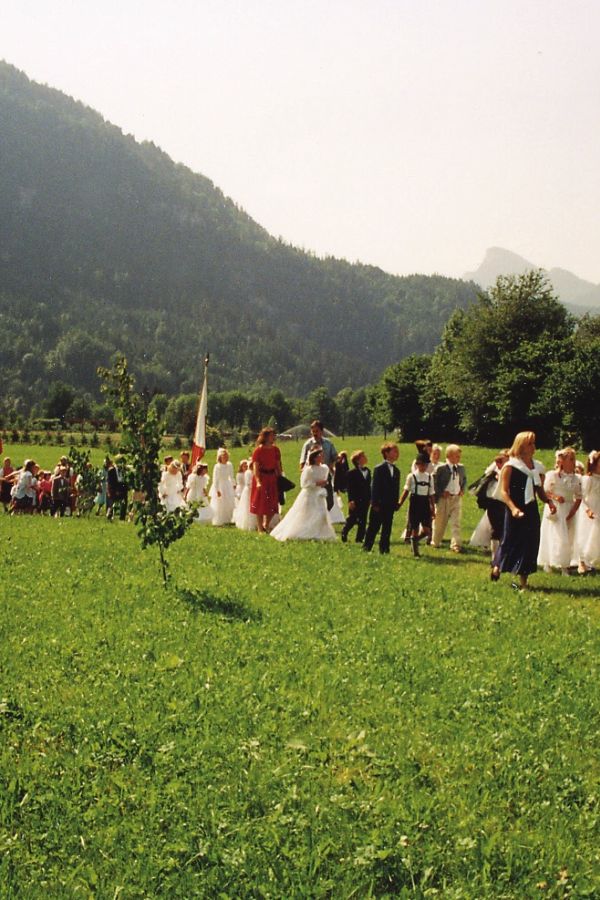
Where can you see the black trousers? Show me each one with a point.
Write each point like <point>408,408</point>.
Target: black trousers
<point>357,516</point>
<point>379,519</point>
<point>495,513</point>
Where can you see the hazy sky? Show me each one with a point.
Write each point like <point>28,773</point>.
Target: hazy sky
<point>410,134</point>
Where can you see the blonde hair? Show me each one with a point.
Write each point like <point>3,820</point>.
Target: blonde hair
<point>592,461</point>
<point>522,438</point>
<point>565,451</point>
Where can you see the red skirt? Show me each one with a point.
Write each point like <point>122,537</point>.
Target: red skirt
<point>264,500</point>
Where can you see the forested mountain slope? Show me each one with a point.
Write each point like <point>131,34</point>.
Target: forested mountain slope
<point>106,244</point>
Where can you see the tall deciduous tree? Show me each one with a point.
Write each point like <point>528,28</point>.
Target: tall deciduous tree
<point>496,357</point>
<point>575,387</point>
<point>398,397</point>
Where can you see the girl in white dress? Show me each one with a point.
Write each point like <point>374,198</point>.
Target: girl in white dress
<point>242,517</point>
<point>336,513</point>
<point>239,479</point>
<point>307,519</point>
<point>170,488</point>
<point>197,492</point>
<point>222,492</point>
<point>557,538</point>
<point>588,524</point>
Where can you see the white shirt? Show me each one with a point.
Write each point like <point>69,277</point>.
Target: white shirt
<point>420,483</point>
<point>454,483</point>
<point>26,485</point>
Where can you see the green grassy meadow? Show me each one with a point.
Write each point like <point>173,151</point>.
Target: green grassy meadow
<point>291,720</point>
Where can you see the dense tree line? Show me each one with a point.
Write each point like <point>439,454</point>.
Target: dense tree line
<point>516,359</point>
<point>239,413</point>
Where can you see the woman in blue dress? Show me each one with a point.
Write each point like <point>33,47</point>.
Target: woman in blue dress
<point>520,485</point>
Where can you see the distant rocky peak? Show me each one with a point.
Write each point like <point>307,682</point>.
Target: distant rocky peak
<point>568,286</point>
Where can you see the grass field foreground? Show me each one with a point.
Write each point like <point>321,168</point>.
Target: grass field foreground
<point>291,720</point>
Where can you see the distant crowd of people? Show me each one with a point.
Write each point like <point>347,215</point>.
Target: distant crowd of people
<point>31,489</point>
<point>63,491</point>
<point>253,499</point>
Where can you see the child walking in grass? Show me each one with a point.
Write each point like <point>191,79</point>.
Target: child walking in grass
<point>421,507</point>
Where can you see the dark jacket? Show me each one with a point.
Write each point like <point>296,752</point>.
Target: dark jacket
<point>442,479</point>
<point>116,487</point>
<point>340,475</point>
<point>385,487</point>
<point>359,487</point>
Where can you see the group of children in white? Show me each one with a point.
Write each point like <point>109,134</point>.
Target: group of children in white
<point>570,532</point>
<point>227,500</point>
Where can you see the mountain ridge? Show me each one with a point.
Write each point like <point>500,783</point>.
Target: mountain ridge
<point>107,245</point>
<point>571,289</point>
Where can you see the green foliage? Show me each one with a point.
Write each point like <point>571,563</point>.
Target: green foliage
<point>496,357</point>
<point>82,466</point>
<point>400,394</point>
<point>574,389</point>
<point>353,415</point>
<point>141,445</point>
<point>58,398</point>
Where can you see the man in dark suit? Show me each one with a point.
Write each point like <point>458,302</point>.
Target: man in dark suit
<point>385,494</point>
<point>116,488</point>
<point>358,486</point>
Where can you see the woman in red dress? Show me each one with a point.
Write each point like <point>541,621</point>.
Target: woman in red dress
<point>266,466</point>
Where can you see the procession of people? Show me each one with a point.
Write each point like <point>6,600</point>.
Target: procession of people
<point>565,539</point>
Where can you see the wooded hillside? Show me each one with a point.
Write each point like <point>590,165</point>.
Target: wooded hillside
<point>107,245</point>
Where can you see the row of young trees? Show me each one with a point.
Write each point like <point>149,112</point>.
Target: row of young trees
<point>345,413</point>
<point>516,359</point>
<point>228,411</point>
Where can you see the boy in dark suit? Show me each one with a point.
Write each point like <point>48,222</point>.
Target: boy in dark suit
<point>385,493</point>
<point>116,488</point>
<point>358,486</point>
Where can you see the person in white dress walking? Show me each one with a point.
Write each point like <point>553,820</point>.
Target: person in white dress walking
<point>242,517</point>
<point>196,491</point>
<point>557,538</point>
<point>170,488</point>
<point>307,519</point>
<point>222,491</point>
<point>588,520</point>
